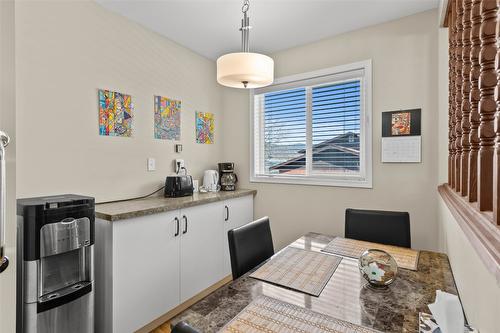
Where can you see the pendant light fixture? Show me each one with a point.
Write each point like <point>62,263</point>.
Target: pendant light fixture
<point>245,69</point>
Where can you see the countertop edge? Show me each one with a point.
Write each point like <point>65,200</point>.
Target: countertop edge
<point>172,207</point>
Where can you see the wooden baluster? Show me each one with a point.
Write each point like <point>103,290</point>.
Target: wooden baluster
<point>454,90</point>
<point>487,103</point>
<point>451,99</point>
<point>458,94</point>
<point>465,123</point>
<point>474,98</point>
<point>496,159</point>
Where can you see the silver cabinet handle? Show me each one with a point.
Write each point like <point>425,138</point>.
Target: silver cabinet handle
<point>4,141</point>
<point>227,213</point>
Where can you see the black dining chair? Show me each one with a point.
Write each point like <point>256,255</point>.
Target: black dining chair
<point>250,245</point>
<point>183,327</point>
<point>385,227</point>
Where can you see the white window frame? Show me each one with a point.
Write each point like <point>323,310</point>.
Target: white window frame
<point>364,180</point>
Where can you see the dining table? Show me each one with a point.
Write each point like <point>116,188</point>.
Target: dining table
<point>346,296</point>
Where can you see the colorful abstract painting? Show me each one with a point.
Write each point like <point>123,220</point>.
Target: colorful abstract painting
<point>401,123</point>
<point>115,113</point>
<point>204,127</point>
<point>167,118</point>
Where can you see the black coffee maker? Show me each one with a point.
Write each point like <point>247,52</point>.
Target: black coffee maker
<point>227,177</point>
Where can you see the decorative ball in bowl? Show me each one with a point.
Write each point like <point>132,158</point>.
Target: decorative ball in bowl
<point>378,267</point>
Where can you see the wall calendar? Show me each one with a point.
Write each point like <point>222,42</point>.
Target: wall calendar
<point>401,136</point>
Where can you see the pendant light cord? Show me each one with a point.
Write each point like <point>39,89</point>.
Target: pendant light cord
<point>245,27</point>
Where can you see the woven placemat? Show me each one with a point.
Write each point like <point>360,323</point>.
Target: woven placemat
<point>298,269</point>
<point>405,258</point>
<point>269,315</point>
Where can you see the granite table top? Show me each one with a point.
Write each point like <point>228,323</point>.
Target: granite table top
<point>346,296</point>
<point>135,208</point>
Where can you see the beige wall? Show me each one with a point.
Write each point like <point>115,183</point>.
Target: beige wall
<point>65,52</point>
<point>8,124</point>
<point>479,291</point>
<point>404,69</point>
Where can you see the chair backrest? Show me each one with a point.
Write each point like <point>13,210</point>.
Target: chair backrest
<point>250,245</point>
<point>391,228</point>
<point>183,327</point>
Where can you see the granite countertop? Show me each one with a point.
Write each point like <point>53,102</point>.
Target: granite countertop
<point>346,296</point>
<point>135,208</point>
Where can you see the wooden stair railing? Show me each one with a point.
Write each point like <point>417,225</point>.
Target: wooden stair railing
<point>474,103</point>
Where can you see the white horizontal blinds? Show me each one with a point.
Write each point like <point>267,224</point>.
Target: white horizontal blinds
<point>284,132</point>
<point>314,128</point>
<point>336,117</point>
<point>309,127</point>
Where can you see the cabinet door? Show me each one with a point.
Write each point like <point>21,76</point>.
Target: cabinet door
<point>202,263</point>
<point>145,270</point>
<point>237,212</point>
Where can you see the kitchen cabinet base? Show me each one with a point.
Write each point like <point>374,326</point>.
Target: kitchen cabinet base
<point>174,312</point>
<point>149,268</point>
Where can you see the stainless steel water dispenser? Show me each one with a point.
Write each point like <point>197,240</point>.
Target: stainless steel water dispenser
<point>55,271</point>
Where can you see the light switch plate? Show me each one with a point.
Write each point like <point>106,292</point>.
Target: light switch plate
<point>151,164</point>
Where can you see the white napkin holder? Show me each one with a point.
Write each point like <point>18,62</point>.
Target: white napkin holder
<point>447,313</point>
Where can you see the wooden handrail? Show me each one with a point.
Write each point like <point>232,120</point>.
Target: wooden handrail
<point>477,226</point>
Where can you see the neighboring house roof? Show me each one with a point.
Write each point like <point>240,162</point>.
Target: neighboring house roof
<point>346,144</point>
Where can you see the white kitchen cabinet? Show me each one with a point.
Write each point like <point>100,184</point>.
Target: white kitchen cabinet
<point>146,256</point>
<point>237,212</point>
<point>146,266</point>
<point>202,263</point>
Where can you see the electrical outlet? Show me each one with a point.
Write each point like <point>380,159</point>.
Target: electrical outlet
<point>179,165</point>
<point>151,164</point>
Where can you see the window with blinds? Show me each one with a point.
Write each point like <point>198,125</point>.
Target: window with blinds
<point>335,128</point>
<point>314,128</point>
<point>285,131</point>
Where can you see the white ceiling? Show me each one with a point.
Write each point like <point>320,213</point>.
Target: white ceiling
<point>210,27</point>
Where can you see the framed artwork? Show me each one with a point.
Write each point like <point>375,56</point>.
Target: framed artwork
<point>204,127</point>
<point>167,118</point>
<point>400,123</point>
<point>116,113</point>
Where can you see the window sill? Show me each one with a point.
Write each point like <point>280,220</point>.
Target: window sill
<point>356,183</point>
<point>477,226</point>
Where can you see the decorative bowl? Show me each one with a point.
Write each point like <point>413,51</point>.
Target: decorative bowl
<point>378,267</point>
